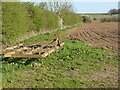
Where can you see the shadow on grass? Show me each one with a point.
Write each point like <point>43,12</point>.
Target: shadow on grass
<point>19,61</point>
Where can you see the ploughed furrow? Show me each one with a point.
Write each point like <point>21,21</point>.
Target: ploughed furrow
<point>114,32</point>
<point>98,34</point>
<point>76,36</point>
<point>108,34</point>
<point>82,36</point>
<point>94,40</point>
<point>102,36</point>
<point>88,39</point>
<point>102,41</point>
<point>99,40</point>
<point>111,35</point>
<point>111,38</point>
<point>73,36</point>
<point>84,31</point>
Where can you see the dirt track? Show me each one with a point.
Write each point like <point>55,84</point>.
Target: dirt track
<point>100,34</point>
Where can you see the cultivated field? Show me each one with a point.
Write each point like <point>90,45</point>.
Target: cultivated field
<point>49,45</point>
<point>98,34</point>
<point>76,65</point>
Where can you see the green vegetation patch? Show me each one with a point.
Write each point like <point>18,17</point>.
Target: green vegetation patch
<point>67,68</point>
<point>111,18</point>
<point>22,19</point>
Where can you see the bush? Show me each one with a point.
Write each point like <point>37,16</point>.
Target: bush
<point>94,18</point>
<point>87,19</point>
<point>70,18</point>
<point>110,19</point>
<point>14,21</point>
<point>19,19</point>
<point>40,17</point>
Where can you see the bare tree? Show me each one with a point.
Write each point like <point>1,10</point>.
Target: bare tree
<point>57,7</point>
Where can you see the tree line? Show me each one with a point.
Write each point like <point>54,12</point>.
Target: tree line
<point>20,18</point>
<point>114,11</point>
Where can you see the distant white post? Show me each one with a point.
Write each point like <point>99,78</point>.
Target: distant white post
<point>60,22</point>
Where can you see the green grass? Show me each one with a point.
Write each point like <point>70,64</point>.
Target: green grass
<point>68,68</point>
<point>50,36</point>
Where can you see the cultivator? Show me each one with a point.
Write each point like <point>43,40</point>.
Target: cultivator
<point>38,50</point>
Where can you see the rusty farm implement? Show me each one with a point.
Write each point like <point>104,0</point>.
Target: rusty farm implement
<point>38,50</point>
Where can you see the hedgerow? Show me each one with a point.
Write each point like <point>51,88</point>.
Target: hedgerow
<point>20,18</point>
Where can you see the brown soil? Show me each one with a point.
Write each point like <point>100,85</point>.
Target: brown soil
<point>97,34</point>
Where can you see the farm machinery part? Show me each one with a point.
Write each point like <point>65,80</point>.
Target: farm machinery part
<point>33,51</point>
